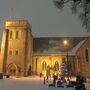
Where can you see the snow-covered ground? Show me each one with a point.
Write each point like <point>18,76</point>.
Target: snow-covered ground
<point>29,83</point>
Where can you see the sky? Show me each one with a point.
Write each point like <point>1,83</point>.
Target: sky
<point>45,18</point>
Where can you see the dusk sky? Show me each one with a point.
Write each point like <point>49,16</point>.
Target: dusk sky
<point>45,18</point>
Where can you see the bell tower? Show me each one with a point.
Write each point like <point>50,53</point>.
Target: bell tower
<point>17,48</point>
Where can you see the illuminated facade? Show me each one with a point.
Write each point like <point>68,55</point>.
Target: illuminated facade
<point>17,38</point>
<point>50,64</point>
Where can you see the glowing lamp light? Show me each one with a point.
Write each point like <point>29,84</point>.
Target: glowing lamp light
<point>65,42</point>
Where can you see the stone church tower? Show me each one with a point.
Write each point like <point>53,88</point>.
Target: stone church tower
<point>16,48</point>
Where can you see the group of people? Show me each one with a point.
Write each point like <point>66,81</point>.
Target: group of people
<point>61,79</point>
<point>79,83</point>
<point>57,81</point>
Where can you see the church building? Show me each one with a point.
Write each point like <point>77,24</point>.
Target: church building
<point>18,56</point>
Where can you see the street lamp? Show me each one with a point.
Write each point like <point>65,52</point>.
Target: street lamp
<point>65,42</point>
<point>66,46</point>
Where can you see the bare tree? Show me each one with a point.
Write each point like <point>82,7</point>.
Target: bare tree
<point>81,7</point>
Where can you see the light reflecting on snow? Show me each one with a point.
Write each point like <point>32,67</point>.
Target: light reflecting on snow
<point>29,83</point>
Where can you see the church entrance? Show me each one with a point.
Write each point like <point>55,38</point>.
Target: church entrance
<point>12,70</point>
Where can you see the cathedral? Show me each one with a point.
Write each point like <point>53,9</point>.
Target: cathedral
<point>17,57</point>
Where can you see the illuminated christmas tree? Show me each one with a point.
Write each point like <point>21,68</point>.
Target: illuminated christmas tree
<point>63,68</point>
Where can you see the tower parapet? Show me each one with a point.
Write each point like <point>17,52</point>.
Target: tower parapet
<point>17,24</point>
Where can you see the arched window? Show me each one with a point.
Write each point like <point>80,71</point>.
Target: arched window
<point>86,55</point>
<point>11,33</point>
<point>17,34</point>
<point>16,52</point>
<point>44,65</point>
<point>10,52</point>
<point>56,66</point>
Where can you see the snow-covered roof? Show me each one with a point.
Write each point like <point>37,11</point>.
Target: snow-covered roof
<point>78,46</point>
<point>53,53</point>
<point>56,48</point>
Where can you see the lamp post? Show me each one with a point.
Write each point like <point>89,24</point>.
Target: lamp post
<point>65,42</point>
